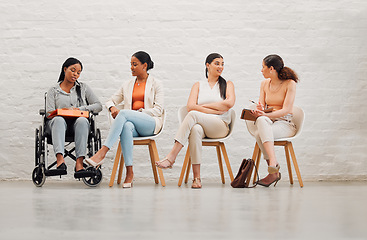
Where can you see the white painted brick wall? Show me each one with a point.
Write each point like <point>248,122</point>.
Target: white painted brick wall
<point>324,41</point>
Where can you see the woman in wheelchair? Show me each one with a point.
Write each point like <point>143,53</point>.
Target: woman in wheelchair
<point>70,94</point>
<point>141,115</point>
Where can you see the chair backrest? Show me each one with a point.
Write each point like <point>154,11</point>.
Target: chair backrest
<point>298,120</point>
<point>182,112</point>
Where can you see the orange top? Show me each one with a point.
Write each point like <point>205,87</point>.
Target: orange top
<point>138,96</point>
<point>275,97</point>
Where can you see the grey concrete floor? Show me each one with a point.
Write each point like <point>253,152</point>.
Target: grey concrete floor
<point>67,209</point>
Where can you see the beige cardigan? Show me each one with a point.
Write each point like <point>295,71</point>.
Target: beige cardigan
<point>153,100</point>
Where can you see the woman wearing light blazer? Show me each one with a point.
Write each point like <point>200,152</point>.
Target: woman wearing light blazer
<point>142,113</point>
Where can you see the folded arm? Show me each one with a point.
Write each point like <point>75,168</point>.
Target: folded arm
<point>227,103</point>
<point>211,108</point>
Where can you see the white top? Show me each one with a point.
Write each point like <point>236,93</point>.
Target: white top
<point>210,95</point>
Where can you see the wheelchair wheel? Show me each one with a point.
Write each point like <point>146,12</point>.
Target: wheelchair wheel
<point>38,176</point>
<point>95,180</point>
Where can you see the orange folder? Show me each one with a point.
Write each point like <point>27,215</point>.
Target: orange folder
<point>69,113</point>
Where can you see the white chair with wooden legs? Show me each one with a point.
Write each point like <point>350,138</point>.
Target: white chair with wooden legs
<point>154,157</point>
<point>215,142</point>
<point>298,119</point>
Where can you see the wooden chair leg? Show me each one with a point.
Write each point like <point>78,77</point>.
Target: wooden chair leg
<point>295,164</point>
<point>122,163</point>
<point>115,165</point>
<point>219,155</point>
<point>286,149</point>
<point>188,171</point>
<point>184,166</point>
<point>226,159</point>
<point>154,160</point>
<point>256,155</point>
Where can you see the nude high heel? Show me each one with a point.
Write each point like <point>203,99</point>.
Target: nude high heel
<point>267,185</point>
<point>93,163</point>
<point>272,169</point>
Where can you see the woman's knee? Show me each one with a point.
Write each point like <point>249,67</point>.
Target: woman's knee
<point>197,131</point>
<point>57,123</point>
<point>58,120</point>
<point>82,121</point>
<point>128,127</point>
<point>192,114</point>
<point>262,120</point>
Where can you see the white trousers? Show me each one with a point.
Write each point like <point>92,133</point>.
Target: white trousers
<point>268,130</point>
<point>195,127</point>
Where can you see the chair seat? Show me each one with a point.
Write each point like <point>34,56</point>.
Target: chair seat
<point>215,139</point>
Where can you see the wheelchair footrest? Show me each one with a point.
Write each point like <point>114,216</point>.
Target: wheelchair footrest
<point>55,172</point>
<point>84,174</point>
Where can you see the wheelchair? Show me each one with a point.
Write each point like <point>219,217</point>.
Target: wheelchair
<point>42,141</point>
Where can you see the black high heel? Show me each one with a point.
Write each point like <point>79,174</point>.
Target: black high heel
<point>267,185</point>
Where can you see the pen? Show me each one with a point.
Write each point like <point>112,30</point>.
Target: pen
<point>258,104</point>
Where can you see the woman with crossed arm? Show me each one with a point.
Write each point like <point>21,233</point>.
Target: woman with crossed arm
<point>208,115</point>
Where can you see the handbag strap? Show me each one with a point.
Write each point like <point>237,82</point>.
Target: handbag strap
<point>257,174</point>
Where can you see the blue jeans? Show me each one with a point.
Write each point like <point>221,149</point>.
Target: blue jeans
<point>127,125</point>
<point>58,127</point>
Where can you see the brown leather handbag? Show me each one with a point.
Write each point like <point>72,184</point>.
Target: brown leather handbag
<point>243,176</point>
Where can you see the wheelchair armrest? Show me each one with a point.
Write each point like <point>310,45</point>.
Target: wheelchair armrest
<point>42,112</point>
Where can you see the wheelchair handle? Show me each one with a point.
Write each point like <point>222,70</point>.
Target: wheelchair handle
<point>42,111</point>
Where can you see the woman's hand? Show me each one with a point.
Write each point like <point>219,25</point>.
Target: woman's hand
<point>258,113</point>
<point>114,111</point>
<point>260,107</point>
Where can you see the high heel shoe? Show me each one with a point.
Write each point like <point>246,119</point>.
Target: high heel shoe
<point>196,183</point>
<point>93,163</point>
<point>275,181</point>
<point>158,164</point>
<point>272,169</point>
<point>128,185</point>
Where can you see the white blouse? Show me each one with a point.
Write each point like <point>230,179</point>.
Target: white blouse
<point>211,95</point>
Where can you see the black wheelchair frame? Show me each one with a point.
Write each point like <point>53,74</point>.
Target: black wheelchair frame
<point>43,139</point>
